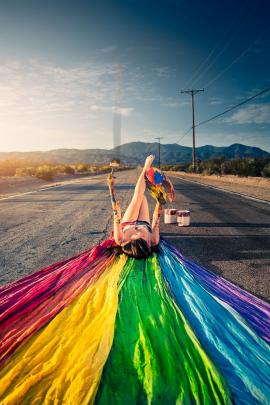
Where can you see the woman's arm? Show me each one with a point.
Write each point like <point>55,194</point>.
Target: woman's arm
<point>117,231</point>
<point>155,223</point>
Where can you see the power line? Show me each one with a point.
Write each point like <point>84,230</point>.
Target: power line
<point>234,107</point>
<point>183,136</point>
<point>243,53</point>
<point>225,45</point>
<point>205,66</point>
<point>226,111</point>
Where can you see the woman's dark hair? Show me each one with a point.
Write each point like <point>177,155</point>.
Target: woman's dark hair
<point>137,248</point>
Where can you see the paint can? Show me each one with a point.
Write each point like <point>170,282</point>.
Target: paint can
<point>170,216</point>
<point>183,217</point>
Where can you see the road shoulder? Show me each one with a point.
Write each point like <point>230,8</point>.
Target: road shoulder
<point>253,188</point>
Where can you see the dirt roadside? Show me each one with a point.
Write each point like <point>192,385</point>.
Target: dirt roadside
<point>256,187</point>
<point>15,185</point>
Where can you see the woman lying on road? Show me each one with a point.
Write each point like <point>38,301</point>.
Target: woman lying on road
<point>134,233</point>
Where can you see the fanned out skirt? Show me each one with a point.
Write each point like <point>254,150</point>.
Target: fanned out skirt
<point>101,328</point>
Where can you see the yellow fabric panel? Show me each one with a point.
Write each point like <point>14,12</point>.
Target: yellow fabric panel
<point>63,362</point>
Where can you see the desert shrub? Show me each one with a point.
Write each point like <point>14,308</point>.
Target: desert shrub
<point>199,167</point>
<point>58,168</point>
<point>246,167</point>
<point>211,167</point>
<point>225,168</point>
<point>8,167</point>
<point>25,171</point>
<point>180,167</point>
<point>45,172</point>
<point>82,167</point>
<point>68,169</point>
<point>167,167</point>
<point>220,166</point>
<point>20,172</point>
<point>176,167</point>
<point>189,169</point>
<point>105,169</point>
<point>266,170</point>
<point>207,171</point>
<point>238,167</point>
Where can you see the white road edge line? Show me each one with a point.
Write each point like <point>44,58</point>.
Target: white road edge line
<point>222,189</point>
<point>49,187</point>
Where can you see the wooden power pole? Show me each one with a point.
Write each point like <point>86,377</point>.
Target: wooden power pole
<point>192,93</point>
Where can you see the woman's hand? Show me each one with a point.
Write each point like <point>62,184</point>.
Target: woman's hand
<point>170,194</point>
<point>110,180</point>
<point>148,162</point>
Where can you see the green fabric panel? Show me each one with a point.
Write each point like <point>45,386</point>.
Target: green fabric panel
<point>155,357</point>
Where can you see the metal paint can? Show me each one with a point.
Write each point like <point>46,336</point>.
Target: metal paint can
<point>170,216</point>
<point>183,217</point>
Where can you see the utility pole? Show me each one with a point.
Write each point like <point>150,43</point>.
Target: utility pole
<point>159,138</point>
<point>193,93</point>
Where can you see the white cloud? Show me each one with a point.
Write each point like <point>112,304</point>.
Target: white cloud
<point>100,108</point>
<point>251,114</point>
<point>37,89</point>
<point>215,101</point>
<point>40,100</point>
<point>164,71</point>
<point>125,111</point>
<point>33,87</point>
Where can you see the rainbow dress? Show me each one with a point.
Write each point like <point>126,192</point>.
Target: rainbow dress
<point>102,328</point>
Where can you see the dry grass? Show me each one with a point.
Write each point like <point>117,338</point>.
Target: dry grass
<point>257,187</point>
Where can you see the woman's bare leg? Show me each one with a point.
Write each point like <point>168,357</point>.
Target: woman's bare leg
<point>132,211</point>
<point>144,214</point>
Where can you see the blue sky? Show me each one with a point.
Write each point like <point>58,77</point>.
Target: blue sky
<point>65,65</point>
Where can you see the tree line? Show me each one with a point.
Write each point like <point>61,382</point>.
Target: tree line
<point>256,167</point>
<point>47,171</point>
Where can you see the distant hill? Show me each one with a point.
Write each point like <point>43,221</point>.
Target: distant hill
<point>135,152</point>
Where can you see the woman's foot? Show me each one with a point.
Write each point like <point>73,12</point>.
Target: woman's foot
<point>148,162</point>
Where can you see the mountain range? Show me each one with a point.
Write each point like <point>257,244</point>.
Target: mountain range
<point>135,152</point>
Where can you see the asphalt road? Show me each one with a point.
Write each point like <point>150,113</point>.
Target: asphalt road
<point>228,234</point>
